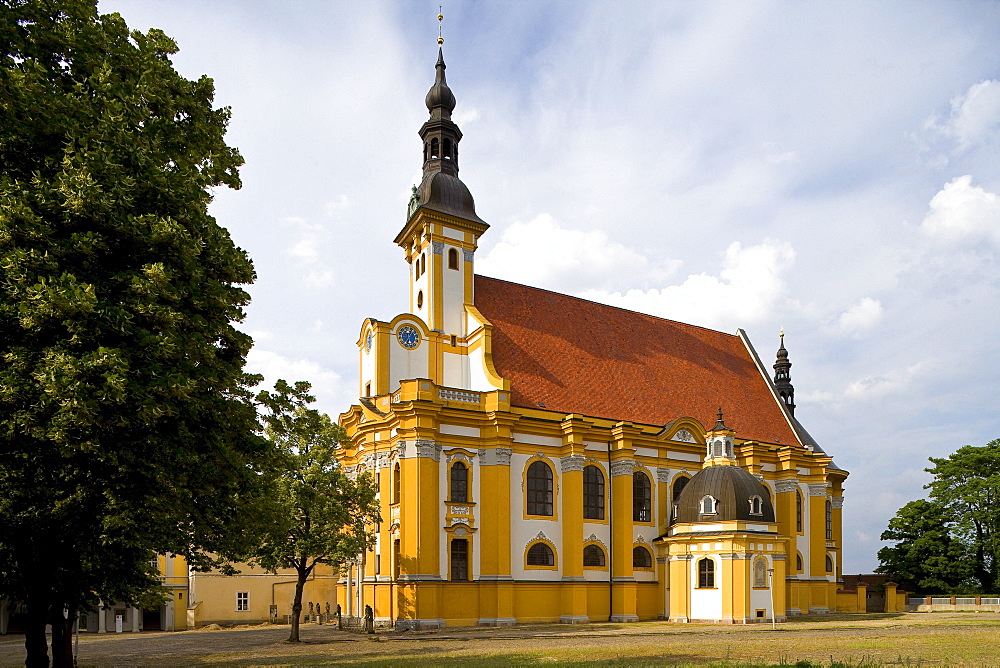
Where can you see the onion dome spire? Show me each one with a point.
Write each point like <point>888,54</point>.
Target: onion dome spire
<point>441,189</point>
<point>783,376</point>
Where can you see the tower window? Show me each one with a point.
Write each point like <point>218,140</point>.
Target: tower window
<point>460,559</point>
<point>641,498</point>
<point>541,554</point>
<point>798,563</point>
<point>829,521</point>
<point>395,559</point>
<point>539,489</point>
<point>798,511</point>
<point>452,258</point>
<point>459,482</point>
<point>425,151</point>
<point>829,564</point>
<point>434,148</point>
<point>593,556</point>
<point>420,299</point>
<point>641,558</point>
<point>368,389</point>
<point>593,493</point>
<point>706,574</point>
<point>447,149</point>
<point>756,506</point>
<point>395,483</point>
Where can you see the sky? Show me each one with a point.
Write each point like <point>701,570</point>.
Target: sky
<point>826,167</point>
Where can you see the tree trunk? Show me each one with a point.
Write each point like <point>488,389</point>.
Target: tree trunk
<point>62,638</point>
<point>300,585</point>
<point>35,644</point>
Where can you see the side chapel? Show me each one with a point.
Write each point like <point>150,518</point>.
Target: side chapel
<point>545,458</point>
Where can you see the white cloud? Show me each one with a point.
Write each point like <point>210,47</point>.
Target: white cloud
<point>544,254</point>
<point>328,386</point>
<point>747,290</point>
<point>963,212</point>
<point>975,116</point>
<point>861,317</point>
<point>895,381</point>
<point>306,248</point>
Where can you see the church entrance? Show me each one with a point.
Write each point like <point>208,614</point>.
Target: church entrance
<point>151,619</point>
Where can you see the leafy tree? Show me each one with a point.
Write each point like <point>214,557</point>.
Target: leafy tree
<point>127,426</point>
<point>319,516</point>
<point>925,556</point>
<point>967,485</point>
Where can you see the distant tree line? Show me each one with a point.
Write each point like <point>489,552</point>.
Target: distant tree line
<point>950,542</point>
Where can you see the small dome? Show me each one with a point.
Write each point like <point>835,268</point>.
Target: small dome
<point>443,192</point>
<point>735,491</point>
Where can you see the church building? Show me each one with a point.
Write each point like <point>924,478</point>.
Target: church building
<point>543,458</point>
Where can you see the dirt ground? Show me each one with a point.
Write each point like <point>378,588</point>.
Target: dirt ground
<point>951,639</point>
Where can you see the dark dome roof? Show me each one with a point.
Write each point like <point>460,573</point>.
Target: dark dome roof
<point>446,193</point>
<point>440,95</point>
<point>732,487</point>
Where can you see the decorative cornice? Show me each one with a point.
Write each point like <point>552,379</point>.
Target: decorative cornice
<point>383,459</point>
<point>817,489</point>
<point>571,463</point>
<point>458,456</point>
<point>784,485</point>
<point>623,467</point>
<point>494,456</point>
<point>662,474</point>
<point>468,254</point>
<point>838,502</point>
<point>683,435</point>
<point>428,449</point>
<point>438,247</point>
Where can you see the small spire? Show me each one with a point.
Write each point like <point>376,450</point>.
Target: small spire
<point>783,376</point>
<point>440,22</point>
<point>719,423</point>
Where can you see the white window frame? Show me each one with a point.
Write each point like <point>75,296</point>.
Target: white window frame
<point>242,601</point>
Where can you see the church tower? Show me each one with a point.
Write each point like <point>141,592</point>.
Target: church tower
<point>442,229</point>
<point>783,377</point>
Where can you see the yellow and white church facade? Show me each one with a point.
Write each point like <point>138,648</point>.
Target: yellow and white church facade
<point>545,458</point>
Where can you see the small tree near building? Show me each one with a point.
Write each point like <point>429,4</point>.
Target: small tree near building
<point>318,515</point>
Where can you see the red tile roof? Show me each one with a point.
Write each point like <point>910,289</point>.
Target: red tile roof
<point>577,356</point>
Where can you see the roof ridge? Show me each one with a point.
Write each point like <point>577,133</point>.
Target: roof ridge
<point>618,308</point>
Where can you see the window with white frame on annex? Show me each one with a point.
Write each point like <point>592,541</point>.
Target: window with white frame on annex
<point>706,573</point>
<point>540,486</point>
<point>459,483</point>
<point>242,601</point>
<point>642,497</point>
<point>593,493</point>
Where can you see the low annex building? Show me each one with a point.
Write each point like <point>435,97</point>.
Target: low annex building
<point>545,458</point>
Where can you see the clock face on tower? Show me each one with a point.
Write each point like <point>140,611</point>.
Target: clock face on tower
<point>408,337</point>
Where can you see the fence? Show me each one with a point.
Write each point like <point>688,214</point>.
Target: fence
<point>953,604</point>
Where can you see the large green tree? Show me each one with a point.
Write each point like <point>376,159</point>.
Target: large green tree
<point>951,541</point>
<point>924,554</point>
<point>126,423</point>
<point>967,484</point>
<point>319,515</point>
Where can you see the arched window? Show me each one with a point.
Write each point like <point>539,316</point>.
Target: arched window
<point>760,572</point>
<point>641,558</point>
<point>798,511</point>
<point>680,482</point>
<point>756,506</point>
<point>395,483</point>
<point>434,148</point>
<point>708,505</point>
<point>423,263</point>
<point>829,564</point>
<point>395,559</point>
<point>539,489</point>
<point>829,520</point>
<point>706,574</point>
<point>420,299</point>
<point>641,498</point>
<point>452,258</point>
<point>447,149</point>
<point>540,554</point>
<point>425,151</point>
<point>798,563</point>
<point>593,493</point>
<point>460,559</point>
<point>459,482</point>
<point>593,556</point>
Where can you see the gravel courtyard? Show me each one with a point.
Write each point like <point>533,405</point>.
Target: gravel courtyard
<point>907,639</point>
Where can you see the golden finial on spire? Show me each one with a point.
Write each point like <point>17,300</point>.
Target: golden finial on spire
<point>782,334</point>
<point>440,19</point>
